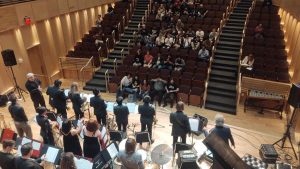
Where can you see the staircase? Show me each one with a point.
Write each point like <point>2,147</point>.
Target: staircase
<point>107,66</point>
<point>223,78</point>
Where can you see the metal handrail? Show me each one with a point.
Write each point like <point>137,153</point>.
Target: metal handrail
<point>115,65</point>
<point>122,54</point>
<point>107,49</point>
<point>113,34</point>
<point>129,41</point>
<point>82,70</point>
<point>90,60</point>
<point>106,75</point>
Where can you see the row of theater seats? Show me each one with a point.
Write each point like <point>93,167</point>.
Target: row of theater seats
<point>269,52</point>
<point>110,23</point>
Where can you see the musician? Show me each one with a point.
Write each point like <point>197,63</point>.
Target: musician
<point>44,123</point>
<point>70,137</point>
<point>129,158</point>
<point>25,162</point>
<point>147,115</point>
<point>33,85</point>
<point>121,112</point>
<point>76,100</point>
<point>51,90</point>
<point>158,89</point>
<point>60,100</point>
<point>99,107</point>
<point>67,161</point>
<point>19,117</point>
<point>223,131</point>
<point>7,160</point>
<point>181,125</point>
<point>171,93</point>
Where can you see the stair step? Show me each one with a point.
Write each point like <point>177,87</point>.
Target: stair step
<point>241,10</point>
<point>222,80</point>
<point>124,44</point>
<point>229,38</point>
<point>236,28</point>
<point>237,17</point>
<point>229,43</point>
<point>220,108</point>
<point>91,88</point>
<point>220,100</point>
<point>110,61</point>
<point>222,73</point>
<point>231,35</point>
<point>226,57</point>
<point>238,14</point>
<point>100,76</point>
<point>237,21</point>
<point>118,52</point>
<point>235,24</point>
<point>134,22</point>
<point>227,52</point>
<point>225,62</point>
<point>96,82</point>
<point>231,48</point>
<point>221,93</point>
<point>107,66</point>
<point>221,86</point>
<point>224,67</point>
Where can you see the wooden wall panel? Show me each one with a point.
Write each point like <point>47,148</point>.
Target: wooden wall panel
<point>63,6</point>
<point>292,6</point>
<point>73,6</point>
<point>57,35</point>
<point>40,10</point>
<point>53,8</point>
<point>24,9</point>
<point>8,17</point>
<point>75,26</point>
<point>67,31</point>
<point>28,36</point>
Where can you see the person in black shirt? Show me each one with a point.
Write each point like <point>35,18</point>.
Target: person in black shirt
<point>181,125</point>
<point>138,59</point>
<point>202,11</point>
<point>76,100</point>
<point>157,89</point>
<point>25,162</point>
<point>33,85</point>
<point>147,115</point>
<point>60,100</point>
<point>7,160</point>
<point>51,90</point>
<point>171,93</point>
<point>43,122</point>
<point>121,112</point>
<point>99,107</point>
<point>20,119</point>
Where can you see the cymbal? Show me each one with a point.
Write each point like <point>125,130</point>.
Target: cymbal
<point>162,154</point>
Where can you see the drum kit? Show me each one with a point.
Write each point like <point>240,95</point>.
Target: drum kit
<point>159,156</point>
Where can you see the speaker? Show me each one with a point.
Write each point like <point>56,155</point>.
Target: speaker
<point>9,57</point>
<point>294,97</point>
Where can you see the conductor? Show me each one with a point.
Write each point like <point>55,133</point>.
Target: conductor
<point>147,115</point>
<point>181,125</point>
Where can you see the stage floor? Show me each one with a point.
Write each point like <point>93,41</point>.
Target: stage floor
<point>249,129</point>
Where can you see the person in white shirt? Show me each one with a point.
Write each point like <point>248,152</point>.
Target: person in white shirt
<point>161,12</point>
<point>195,43</point>
<point>248,61</point>
<point>169,41</point>
<point>125,85</point>
<point>200,34</point>
<point>186,42</point>
<point>203,54</point>
<point>213,35</point>
<point>160,40</point>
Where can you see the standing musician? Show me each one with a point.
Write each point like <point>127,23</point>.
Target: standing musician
<point>60,100</point>
<point>130,158</point>
<point>51,90</point>
<point>121,112</point>
<point>70,137</point>
<point>44,123</point>
<point>99,107</point>
<point>33,85</point>
<point>147,115</point>
<point>181,125</point>
<point>76,100</point>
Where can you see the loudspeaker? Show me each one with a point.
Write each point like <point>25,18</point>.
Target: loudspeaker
<point>294,97</point>
<point>9,57</point>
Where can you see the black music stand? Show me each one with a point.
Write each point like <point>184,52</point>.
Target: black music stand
<point>16,86</point>
<point>287,134</point>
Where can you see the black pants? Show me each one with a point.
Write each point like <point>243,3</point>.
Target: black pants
<point>122,124</point>
<point>101,119</point>
<point>147,125</point>
<point>159,95</point>
<point>78,113</point>
<point>62,112</point>
<point>38,100</point>
<point>48,139</point>
<point>171,97</point>
<point>175,140</point>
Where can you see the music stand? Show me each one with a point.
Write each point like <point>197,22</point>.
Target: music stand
<point>142,137</point>
<point>16,86</point>
<point>117,135</point>
<point>287,134</point>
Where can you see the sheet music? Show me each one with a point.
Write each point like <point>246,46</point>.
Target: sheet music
<point>194,123</point>
<point>25,140</point>
<point>83,164</point>
<point>36,145</point>
<point>51,154</point>
<point>200,148</point>
<point>112,150</point>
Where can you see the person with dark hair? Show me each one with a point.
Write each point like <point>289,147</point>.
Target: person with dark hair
<point>6,157</point>
<point>70,137</point>
<point>171,93</point>
<point>67,161</point>
<point>76,100</point>
<point>110,9</point>
<point>144,89</point>
<point>259,31</point>
<point>33,85</point>
<point>181,125</point>
<point>136,83</point>
<point>179,64</point>
<point>129,157</point>
<point>19,117</point>
<point>92,143</point>
<point>158,89</point>
<point>121,112</point>
<point>43,122</point>
<point>60,100</point>
<point>51,90</point>
<point>99,107</point>
<point>125,85</point>
<point>147,113</point>
<point>25,162</point>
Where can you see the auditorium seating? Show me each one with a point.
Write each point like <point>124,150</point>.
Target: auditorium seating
<point>269,52</point>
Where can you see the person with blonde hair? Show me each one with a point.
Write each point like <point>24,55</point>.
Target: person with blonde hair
<point>76,100</point>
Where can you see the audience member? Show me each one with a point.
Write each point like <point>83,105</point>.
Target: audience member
<point>168,64</point>
<point>213,35</point>
<point>179,26</point>
<point>19,117</point>
<point>161,12</point>
<point>157,90</point>
<point>70,137</point>
<point>138,59</point>
<point>195,43</point>
<point>186,42</point>
<point>125,85</point>
<point>200,34</point>
<point>248,61</point>
<point>160,40</point>
<point>7,159</point>
<point>171,93</point>
<point>169,41</point>
<point>202,11</point>
<point>136,84</point>
<point>144,89</point>
<point>148,58</point>
<point>258,31</point>
<point>179,64</point>
<point>158,62</point>
<point>203,54</point>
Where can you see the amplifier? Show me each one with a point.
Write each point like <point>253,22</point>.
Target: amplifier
<point>268,153</point>
<point>187,159</point>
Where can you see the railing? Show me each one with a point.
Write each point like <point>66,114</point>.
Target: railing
<point>106,75</point>
<point>115,65</point>
<point>87,66</point>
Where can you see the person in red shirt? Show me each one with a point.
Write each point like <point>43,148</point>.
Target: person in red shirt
<point>258,31</point>
<point>148,60</point>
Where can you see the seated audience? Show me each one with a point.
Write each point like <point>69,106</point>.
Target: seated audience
<point>129,157</point>
<point>207,44</point>
<point>171,93</point>
<point>248,61</point>
<point>148,58</point>
<point>99,21</point>
<point>160,40</point>
<point>169,40</point>
<point>258,31</point>
<point>186,42</point>
<point>125,85</point>
<point>203,54</point>
<point>157,90</point>
<point>179,64</point>
<point>179,26</point>
<point>200,34</point>
<point>7,159</point>
<point>195,43</point>
<point>168,64</point>
<point>136,84</point>
<point>202,11</point>
<point>213,35</point>
<point>138,59</point>
<point>70,137</point>
<point>191,33</point>
<point>144,89</point>
<point>158,62</point>
<point>161,12</point>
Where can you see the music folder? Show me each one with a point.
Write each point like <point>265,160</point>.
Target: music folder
<point>83,163</point>
<point>195,126</point>
<point>98,162</point>
<point>52,154</point>
<point>106,156</point>
<point>8,134</point>
<point>36,146</point>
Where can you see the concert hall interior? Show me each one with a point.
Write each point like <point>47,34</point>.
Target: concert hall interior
<point>222,75</point>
